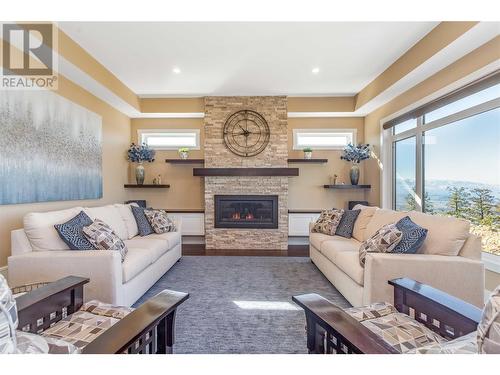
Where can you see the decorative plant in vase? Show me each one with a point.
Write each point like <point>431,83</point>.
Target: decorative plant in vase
<point>139,154</point>
<point>355,154</point>
<point>184,153</point>
<point>308,153</point>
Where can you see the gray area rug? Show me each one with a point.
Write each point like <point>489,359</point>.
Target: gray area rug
<point>242,304</point>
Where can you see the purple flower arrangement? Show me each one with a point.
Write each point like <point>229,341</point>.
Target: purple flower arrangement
<point>140,153</point>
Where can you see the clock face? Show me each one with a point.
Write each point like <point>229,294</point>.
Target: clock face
<point>246,133</point>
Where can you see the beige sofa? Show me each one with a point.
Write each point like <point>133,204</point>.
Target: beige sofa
<point>449,259</point>
<point>39,255</point>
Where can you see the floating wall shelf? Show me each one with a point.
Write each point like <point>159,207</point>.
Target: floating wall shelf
<point>146,186</point>
<point>279,172</point>
<point>185,161</point>
<point>318,161</point>
<point>347,186</point>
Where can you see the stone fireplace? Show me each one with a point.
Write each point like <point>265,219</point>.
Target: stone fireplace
<point>222,231</point>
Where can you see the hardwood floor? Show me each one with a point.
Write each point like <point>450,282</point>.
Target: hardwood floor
<point>199,249</point>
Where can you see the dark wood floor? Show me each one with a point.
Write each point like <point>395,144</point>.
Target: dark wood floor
<point>199,249</point>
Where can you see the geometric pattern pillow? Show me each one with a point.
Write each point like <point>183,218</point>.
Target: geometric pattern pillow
<point>346,225</point>
<point>328,222</point>
<point>413,236</point>
<point>103,237</point>
<point>402,332</point>
<point>488,330</point>
<point>71,232</point>
<point>383,241</point>
<point>142,222</point>
<point>159,221</point>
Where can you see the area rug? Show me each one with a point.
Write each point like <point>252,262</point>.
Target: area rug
<point>242,304</point>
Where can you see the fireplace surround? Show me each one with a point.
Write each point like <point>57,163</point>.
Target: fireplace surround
<point>246,211</point>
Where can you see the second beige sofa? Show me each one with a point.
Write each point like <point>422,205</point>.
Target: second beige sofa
<point>449,259</point>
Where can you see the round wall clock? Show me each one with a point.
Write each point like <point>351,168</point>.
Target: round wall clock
<point>246,133</point>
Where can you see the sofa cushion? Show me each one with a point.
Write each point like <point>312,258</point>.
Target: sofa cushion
<point>137,260</point>
<point>159,220</point>
<point>380,218</point>
<point>402,332</point>
<point>128,218</point>
<point>346,225</point>
<point>413,236</point>
<point>328,222</point>
<point>362,221</point>
<point>39,228</point>
<point>375,310</point>
<point>106,309</point>
<point>173,238</point>
<point>102,237</point>
<point>143,224</point>
<point>71,232</point>
<point>316,239</point>
<point>445,236</point>
<point>337,244</point>
<point>384,240</point>
<point>111,216</point>
<point>30,343</point>
<point>462,345</point>
<point>348,261</point>
<point>153,249</point>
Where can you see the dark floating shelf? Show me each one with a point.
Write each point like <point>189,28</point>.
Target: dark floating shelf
<point>339,186</point>
<point>303,211</point>
<point>146,186</point>
<point>185,210</point>
<point>319,161</point>
<point>280,172</point>
<point>185,161</point>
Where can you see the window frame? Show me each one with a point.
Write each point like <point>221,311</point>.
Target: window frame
<point>341,131</point>
<point>141,133</point>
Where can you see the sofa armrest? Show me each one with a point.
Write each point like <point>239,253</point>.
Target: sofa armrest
<point>458,276</point>
<point>102,267</point>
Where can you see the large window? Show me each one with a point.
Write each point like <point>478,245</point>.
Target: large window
<point>446,161</point>
<point>323,139</point>
<point>170,139</point>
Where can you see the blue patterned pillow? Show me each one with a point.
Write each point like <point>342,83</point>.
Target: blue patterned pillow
<point>346,225</point>
<point>142,222</point>
<point>71,232</point>
<point>413,236</point>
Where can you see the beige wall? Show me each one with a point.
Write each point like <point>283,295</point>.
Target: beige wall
<point>116,137</point>
<point>475,60</point>
<point>186,191</point>
<point>306,191</point>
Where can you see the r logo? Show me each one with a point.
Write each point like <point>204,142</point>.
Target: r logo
<point>35,42</point>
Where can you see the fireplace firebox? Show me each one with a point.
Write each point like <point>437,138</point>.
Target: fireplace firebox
<point>246,211</point>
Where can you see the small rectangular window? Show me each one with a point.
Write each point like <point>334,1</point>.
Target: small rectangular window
<point>323,139</point>
<point>170,139</point>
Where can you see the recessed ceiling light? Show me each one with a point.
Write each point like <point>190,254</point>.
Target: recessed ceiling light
<point>176,70</point>
<point>315,70</point>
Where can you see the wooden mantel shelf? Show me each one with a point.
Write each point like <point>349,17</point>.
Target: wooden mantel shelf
<point>280,172</point>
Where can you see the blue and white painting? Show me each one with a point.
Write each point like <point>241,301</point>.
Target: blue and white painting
<point>50,149</point>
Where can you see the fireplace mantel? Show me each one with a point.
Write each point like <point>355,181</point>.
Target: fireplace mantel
<point>279,172</point>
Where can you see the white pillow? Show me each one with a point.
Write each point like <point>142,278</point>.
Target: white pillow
<point>129,219</point>
<point>111,216</point>
<point>39,228</point>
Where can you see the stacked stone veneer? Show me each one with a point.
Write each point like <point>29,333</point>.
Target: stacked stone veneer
<point>274,110</point>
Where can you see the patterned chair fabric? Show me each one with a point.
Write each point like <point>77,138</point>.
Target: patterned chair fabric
<point>89,322</point>
<point>462,345</point>
<point>488,330</point>
<point>30,343</point>
<point>400,331</point>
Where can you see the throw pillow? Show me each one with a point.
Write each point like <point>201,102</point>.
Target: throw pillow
<point>383,241</point>
<point>142,221</point>
<point>488,330</point>
<point>413,236</point>
<point>328,222</point>
<point>159,221</point>
<point>103,237</point>
<point>71,232</point>
<point>346,225</point>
